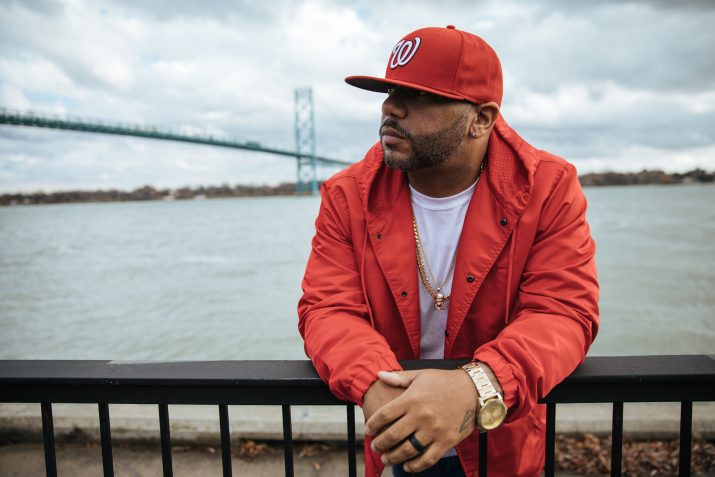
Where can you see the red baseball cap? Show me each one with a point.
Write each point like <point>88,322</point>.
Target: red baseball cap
<point>442,61</point>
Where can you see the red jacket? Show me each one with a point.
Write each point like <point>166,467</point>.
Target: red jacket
<point>524,297</point>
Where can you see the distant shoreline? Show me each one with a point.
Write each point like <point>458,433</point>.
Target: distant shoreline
<point>645,177</point>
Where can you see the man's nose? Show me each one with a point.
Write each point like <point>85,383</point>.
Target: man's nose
<point>394,106</point>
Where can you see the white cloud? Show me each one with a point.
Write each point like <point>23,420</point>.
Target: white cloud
<point>35,74</point>
<point>591,103</point>
<point>13,97</point>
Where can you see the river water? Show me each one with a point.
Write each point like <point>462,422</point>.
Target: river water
<point>220,279</point>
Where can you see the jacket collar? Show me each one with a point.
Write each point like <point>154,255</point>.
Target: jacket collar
<point>502,193</point>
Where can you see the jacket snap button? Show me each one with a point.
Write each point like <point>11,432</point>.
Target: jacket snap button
<point>404,294</point>
<point>470,278</point>
<point>378,236</point>
<point>503,221</point>
<point>446,333</point>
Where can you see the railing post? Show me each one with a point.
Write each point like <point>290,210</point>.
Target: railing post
<point>352,456</point>
<point>165,440</point>
<point>549,468</point>
<point>225,439</point>
<point>616,439</point>
<point>287,441</point>
<point>483,454</point>
<point>686,432</point>
<point>48,435</point>
<point>106,437</point>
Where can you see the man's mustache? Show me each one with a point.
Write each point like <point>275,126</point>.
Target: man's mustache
<point>392,123</point>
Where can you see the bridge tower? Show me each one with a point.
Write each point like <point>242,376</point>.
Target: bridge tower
<point>307,181</point>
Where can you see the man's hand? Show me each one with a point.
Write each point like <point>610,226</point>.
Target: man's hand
<point>438,407</point>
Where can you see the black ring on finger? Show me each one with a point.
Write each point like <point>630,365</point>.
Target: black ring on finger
<point>416,444</point>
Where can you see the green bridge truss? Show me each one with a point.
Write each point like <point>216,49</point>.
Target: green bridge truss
<point>306,182</point>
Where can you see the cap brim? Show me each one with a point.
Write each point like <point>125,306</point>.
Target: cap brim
<point>381,85</point>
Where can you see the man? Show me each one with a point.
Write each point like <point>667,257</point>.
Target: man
<point>452,238</point>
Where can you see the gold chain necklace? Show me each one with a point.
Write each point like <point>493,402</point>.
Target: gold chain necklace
<point>437,296</point>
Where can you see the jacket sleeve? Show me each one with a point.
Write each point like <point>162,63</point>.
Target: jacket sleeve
<point>555,315</point>
<point>334,320</point>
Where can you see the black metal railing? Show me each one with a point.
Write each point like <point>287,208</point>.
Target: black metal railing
<point>616,380</point>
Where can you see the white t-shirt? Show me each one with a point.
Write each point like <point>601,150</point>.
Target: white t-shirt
<point>439,222</point>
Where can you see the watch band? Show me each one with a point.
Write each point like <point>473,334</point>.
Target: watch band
<point>485,388</point>
<point>492,410</point>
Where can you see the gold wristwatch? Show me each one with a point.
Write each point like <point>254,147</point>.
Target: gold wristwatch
<point>492,409</point>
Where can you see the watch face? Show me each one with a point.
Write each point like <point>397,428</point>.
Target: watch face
<point>492,413</point>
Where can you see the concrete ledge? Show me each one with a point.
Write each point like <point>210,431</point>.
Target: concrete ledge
<point>199,425</point>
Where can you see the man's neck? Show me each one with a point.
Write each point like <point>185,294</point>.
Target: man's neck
<point>450,177</point>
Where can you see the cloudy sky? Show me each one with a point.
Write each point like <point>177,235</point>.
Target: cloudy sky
<point>607,85</point>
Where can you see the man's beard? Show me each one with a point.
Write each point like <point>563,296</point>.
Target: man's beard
<point>427,149</point>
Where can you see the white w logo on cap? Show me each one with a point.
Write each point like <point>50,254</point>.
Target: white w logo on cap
<point>403,52</point>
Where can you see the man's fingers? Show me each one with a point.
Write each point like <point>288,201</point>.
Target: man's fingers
<point>422,462</point>
<point>404,451</point>
<point>394,409</point>
<point>392,434</point>
<point>395,378</point>
<point>384,416</point>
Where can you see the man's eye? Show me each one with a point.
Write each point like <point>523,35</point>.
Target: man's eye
<point>415,93</point>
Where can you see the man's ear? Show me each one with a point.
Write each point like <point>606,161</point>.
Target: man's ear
<point>485,115</point>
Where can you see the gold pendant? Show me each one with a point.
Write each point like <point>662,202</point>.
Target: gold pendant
<point>439,301</point>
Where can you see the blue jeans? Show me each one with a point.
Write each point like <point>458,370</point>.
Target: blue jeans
<point>445,467</point>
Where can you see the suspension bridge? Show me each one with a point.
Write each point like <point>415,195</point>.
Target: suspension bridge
<point>305,156</point>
